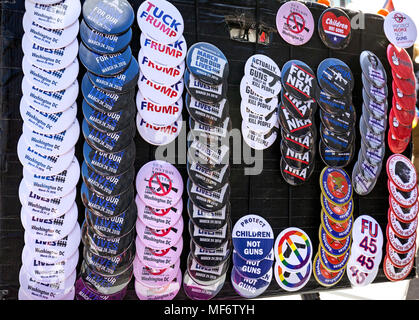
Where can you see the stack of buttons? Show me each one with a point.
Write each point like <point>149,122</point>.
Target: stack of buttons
<point>161,60</point>
<point>259,90</point>
<point>293,253</point>
<point>366,251</point>
<point>208,171</point>
<point>159,227</point>
<point>46,150</point>
<point>337,114</point>
<point>296,116</point>
<point>253,256</point>
<point>402,218</point>
<point>336,226</point>
<point>372,124</point>
<point>107,191</point>
<point>402,112</point>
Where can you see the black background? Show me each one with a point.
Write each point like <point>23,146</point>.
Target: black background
<point>266,194</point>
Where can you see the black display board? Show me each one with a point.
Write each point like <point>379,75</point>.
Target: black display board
<point>266,194</point>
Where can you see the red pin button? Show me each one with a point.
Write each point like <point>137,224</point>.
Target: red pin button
<point>400,131</point>
<point>400,61</point>
<point>395,145</point>
<point>406,102</point>
<point>406,86</point>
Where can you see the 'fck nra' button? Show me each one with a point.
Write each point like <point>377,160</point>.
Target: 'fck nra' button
<point>263,75</point>
<point>158,73</point>
<point>400,29</point>
<point>105,65</point>
<point>292,125</point>
<point>47,101</point>
<point>120,83</point>
<point>105,101</point>
<point>54,38</point>
<point>49,229</point>
<point>52,144</point>
<point>399,61</point>
<point>54,16</point>
<point>43,206</point>
<point>256,103</point>
<point>107,185</point>
<point>169,55</point>
<point>299,80</point>
<point>372,69</point>
<point>48,80</point>
<point>298,108</point>
<point>47,123</point>
<point>110,163</point>
<point>159,136</point>
<point>41,164</point>
<point>104,43</point>
<point>160,20</point>
<point>295,159</point>
<point>109,17</point>
<point>253,237</point>
<point>335,77</point>
<point>108,121</point>
<point>160,94</point>
<point>159,184</point>
<point>49,59</point>
<point>55,186</point>
<point>295,176</point>
<point>158,115</point>
<point>207,63</point>
<point>300,144</point>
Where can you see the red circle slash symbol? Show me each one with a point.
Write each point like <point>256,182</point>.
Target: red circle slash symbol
<point>163,187</point>
<point>296,22</point>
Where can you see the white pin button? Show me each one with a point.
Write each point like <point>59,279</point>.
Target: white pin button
<point>160,94</point>
<point>159,136</point>
<point>170,55</point>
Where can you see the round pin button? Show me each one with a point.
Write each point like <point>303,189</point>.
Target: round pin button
<point>25,295</point>
<point>106,163</point>
<point>196,291</point>
<point>210,239</point>
<point>334,28</point>
<point>373,69</point>
<point>377,125</point>
<point>404,198</point>
<point>204,92</point>
<point>367,235</point>
<point>399,131</point>
<point>403,214</point>
<point>49,59</point>
<point>170,55</point>
<point>254,102</point>
<point>296,107</point>
<point>208,179</point>
<point>159,136</point>
<point>367,169</point>
<point>160,20</point>
<point>399,61</point>
<point>333,105</point>
<point>399,244</point>
<point>104,43</point>
<point>210,114</point>
<point>263,75</point>
<point>361,185</point>
<point>57,250</point>
<point>160,94</point>
<point>52,144</point>
<point>158,73</point>
<point>51,38</point>
<point>42,206</point>
<point>293,249</point>
<point>336,212</point>
<point>211,257</point>
<point>331,263</point>
<point>168,292</point>
<point>335,159</point>
<point>406,86</point>
<point>253,269</point>
<point>337,141</point>
<point>295,126</point>
<point>47,80</point>
<point>108,206</point>
<point>374,156</point>
<point>334,247</point>
<point>206,199</point>
<point>120,83</point>
<point>400,260</point>
<point>210,157</point>
<point>49,229</point>
<point>208,220</point>
<point>377,110</point>
<point>295,23</point>
<point>156,258</point>
<point>252,237</point>
<point>55,186</point>
<point>83,292</point>
<point>259,141</point>
<point>295,176</point>
<point>159,184</point>
<point>400,29</point>
<point>207,63</point>
<point>299,80</point>
<point>258,123</point>
<point>405,117</point>
<point>159,239</point>
<point>300,144</point>
<point>402,229</point>
<point>292,281</point>
<point>54,16</point>
<point>337,230</point>
<point>405,102</point>
<point>335,77</point>
<point>159,218</point>
<point>105,65</point>
<point>205,275</point>
<point>379,95</point>
<point>47,101</point>
<point>401,172</point>
<point>108,17</point>
<point>154,278</point>
<point>296,160</point>
<point>359,278</point>
<point>336,185</point>
<point>324,277</point>
<point>396,274</point>
<point>38,163</point>
<point>250,288</point>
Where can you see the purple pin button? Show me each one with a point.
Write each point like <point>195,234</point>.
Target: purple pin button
<point>83,292</point>
<point>167,292</point>
<point>196,291</point>
<point>152,277</point>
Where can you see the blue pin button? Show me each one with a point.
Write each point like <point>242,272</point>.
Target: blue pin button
<point>106,65</point>
<point>104,43</point>
<point>253,269</point>
<point>250,288</point>
<point>110,17</point>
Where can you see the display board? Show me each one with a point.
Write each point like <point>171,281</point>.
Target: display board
<point>232,26</point>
